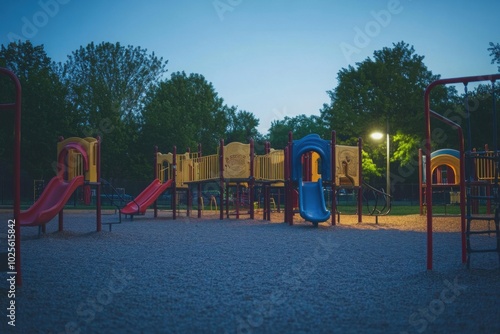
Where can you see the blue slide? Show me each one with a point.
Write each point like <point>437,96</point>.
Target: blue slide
<point>312,202</point>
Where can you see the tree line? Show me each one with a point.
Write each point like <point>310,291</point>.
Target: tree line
<point>122,94</point>
<point>119,93</point>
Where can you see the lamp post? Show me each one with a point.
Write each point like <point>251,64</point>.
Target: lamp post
<point>378,136</point>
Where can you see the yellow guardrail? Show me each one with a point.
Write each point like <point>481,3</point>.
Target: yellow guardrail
<point>270,166</point>
<point>485,167</point>
<point>193,168</point>
<point>205,168</point>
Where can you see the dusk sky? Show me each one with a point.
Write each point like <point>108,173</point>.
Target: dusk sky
<point>271,58</point>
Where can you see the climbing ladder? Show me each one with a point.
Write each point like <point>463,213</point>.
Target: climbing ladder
<point>481,187</point>
<point>479,219</point>
<point>479,171</point>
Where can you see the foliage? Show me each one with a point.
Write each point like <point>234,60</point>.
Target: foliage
<point>44,107</point>
<point>495,53</point>
<point>107,88</point>
<point>478,117</point>
<point>120,93</point>
<point>369,168</point>
<point>387,88</point>
<point>300,126</point>
<point>242,126</point>
<point>405,145</point>
<point>184,111</point>
<point>385,94</point>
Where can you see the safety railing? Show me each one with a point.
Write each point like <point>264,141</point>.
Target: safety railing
<point>205,168</point>
<point>485,165</point>
<point>270,166</point>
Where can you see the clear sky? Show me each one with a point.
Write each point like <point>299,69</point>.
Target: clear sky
<point>272,58</point>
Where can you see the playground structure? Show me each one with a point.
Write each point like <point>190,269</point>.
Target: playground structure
<point>311,201</point>
<point>78,165</point>
<point>233,174</point>
<point>445,169</point>
<point>235,166</point>
<point>477,174</point>
<point>337,166</point>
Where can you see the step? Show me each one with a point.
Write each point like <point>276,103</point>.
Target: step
<point>484,217</point>
<point>472,197</point>
<point>482,250</point>
<point>482,232</point>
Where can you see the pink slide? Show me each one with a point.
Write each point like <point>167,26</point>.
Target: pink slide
<point>139,205</point>
<point>52,200</point>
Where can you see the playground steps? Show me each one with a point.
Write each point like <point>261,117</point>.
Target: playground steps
<point>474,219</point>
<point>495,232</point>
<point>482,232</point>
<point>482,217</point>
<point>479,197</point>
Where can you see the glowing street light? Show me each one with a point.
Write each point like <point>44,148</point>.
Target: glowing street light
<point>377,136</point>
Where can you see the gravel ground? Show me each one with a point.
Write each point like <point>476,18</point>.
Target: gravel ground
<point>250,276</point>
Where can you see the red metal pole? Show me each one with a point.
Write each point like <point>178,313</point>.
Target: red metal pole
<point>199,186</point>
<point>290,182</point>
<point>174,184</point>
<point>237,204</point>
<point>488,186</point>
<point>221,179</point>
<point>428,175</point>
<point>189,200</point>
<point>267,197</point>
<point>60,215</point>
<point>251,184</point>
<point>334,175</point>
<point>227,199</point>
<point>155,176</point>
<point>360,173</point>
<point>269,208</point>
<point>17,177</point>
<point>287,184</point>
<point>16,107</point>
<point>98,190</point>
<point>420,176</point>
<point>462,194</point>
<point>60,221</point>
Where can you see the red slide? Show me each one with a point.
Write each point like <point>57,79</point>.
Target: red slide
<point>139,205</point>
<point>52,200</point>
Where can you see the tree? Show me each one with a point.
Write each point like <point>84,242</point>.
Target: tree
<point>108,84</point>
<point>478,117</point>
<point>44,113</point>
<point>385,93</point>
<point>300,126</point>
<point>370,170</point>
<point>495,53</point>
<point>184,111</point>
<point>242,126</point>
